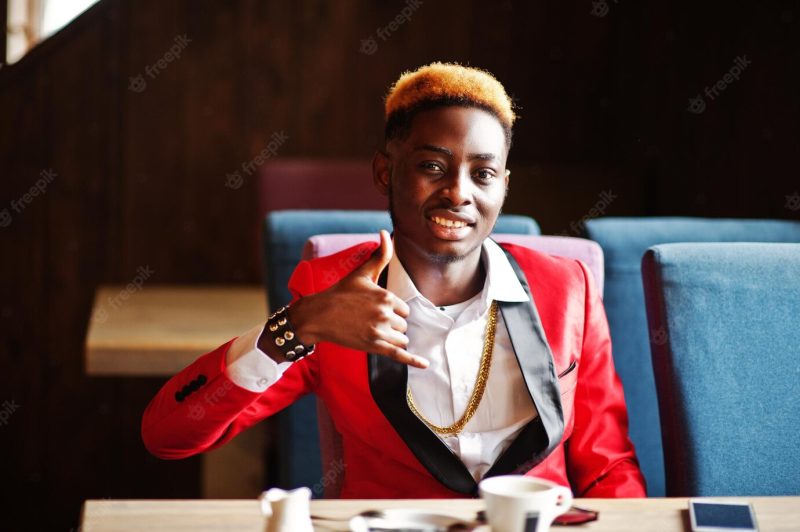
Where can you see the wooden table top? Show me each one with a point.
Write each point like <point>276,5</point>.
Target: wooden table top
<point>160,329</point>
<point>620,515</point>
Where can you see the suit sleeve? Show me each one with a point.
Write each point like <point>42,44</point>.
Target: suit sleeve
<point>202,408</point>
<point>601,461</point>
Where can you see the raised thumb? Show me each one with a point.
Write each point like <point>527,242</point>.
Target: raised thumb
<point>380,259</point>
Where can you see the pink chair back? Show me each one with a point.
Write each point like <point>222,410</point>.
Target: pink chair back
<point>584,250</point>
<point>587,251</point>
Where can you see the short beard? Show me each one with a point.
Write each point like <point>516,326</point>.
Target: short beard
<point>435,258</point>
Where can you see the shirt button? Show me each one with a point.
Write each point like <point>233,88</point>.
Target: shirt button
<point>262,381</point>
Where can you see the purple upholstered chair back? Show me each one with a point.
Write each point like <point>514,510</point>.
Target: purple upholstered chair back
<point>340,184</point>
<point>584,250</point>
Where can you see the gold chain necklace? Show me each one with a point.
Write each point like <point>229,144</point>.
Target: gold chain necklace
<point>480,383</point>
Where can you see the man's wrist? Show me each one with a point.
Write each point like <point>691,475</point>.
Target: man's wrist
<point>280,339</point>
<point>300,314</point>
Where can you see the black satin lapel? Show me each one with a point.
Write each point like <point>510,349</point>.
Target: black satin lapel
<point>539,437</point>
<point>387,383</point>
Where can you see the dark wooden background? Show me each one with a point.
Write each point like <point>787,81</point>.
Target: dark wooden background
<point>140,177</point>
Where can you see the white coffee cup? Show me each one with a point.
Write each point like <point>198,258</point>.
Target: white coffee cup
<point>517,503</point>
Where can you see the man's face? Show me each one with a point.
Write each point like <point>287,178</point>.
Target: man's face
<point>446,182</point>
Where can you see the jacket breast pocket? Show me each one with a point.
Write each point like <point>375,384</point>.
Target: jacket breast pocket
<point>567,380</point>
<point>568,377</point>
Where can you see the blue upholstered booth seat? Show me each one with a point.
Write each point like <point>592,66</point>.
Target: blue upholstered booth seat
<point>727,365</point>
<point>624,241</point>
<point>285,234</point>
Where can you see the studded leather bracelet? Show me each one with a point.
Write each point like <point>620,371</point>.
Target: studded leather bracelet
<point>282,333</point>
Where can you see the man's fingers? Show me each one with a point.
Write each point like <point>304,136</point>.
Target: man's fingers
<point>400,307</point>
<point>395,338</point>
<point>401,355</point>
<point>380,259</point>
<point>398,323</point>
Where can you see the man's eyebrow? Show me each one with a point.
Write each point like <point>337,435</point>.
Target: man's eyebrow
<point>431,147</point>
<point>482,156</point>
<point>445,151</point>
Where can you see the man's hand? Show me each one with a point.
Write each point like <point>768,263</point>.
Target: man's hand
<point>357,313</point>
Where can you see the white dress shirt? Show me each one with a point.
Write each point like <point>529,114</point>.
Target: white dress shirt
<point>452,341</point>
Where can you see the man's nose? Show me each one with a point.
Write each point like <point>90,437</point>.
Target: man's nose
<point>458,188</point>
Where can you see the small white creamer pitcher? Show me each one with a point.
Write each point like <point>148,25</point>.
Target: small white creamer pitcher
<point>288,511</point>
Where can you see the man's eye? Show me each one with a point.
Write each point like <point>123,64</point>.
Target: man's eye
<point>484,174</point>
<point>431,166</point>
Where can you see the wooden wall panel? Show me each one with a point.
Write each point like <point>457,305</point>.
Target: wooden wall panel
<point>23,383</point>
<point>141,176</point>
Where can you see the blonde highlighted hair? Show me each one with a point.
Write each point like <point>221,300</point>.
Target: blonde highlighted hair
<point>443,84</point>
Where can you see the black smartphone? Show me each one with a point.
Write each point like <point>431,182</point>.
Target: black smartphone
<point>719,516</point>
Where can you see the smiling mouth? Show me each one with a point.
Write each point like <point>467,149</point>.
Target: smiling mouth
<point>444,222</point>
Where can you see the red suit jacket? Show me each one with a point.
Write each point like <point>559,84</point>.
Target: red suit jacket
<point>580,438</point>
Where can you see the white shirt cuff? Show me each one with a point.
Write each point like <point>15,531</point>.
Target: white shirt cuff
<point>249,367</point>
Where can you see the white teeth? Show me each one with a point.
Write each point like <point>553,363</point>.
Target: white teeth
<point>448,223</point>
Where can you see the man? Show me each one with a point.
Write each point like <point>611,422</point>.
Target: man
<point>442,357</point>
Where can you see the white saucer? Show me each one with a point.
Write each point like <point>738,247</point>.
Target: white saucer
<point>407,519</point>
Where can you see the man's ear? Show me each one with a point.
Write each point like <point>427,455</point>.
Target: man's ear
<point>381,171</point>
